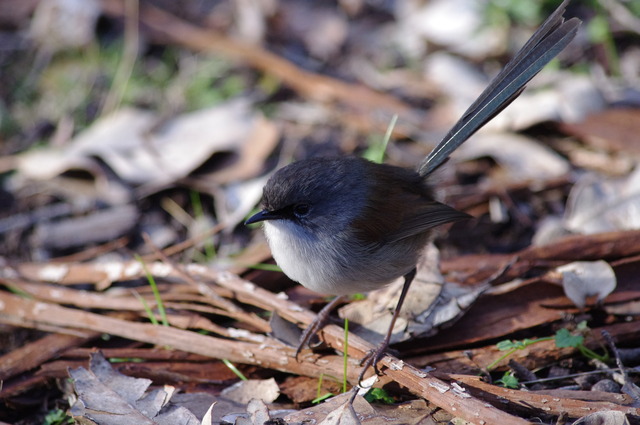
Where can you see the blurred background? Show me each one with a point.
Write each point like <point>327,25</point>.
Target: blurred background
<point>123,117</point>
<point>128,126</point>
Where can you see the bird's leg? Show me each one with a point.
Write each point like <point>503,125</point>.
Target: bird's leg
<point>373,357</point>
<point>318,323</point>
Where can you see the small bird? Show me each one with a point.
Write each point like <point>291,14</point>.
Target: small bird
<point>347,225</point>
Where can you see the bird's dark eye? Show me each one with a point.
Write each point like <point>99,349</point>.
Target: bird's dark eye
<point>301,210</point>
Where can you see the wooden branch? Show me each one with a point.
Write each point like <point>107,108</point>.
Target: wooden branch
<point>33,354</point>
<point>547,404</point>
<point>272,355</point>
<point>602,246</point>
<point>446,396</point>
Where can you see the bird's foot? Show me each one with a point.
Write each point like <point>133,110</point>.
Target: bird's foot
<point>372,358</point>
<point>318,323</point>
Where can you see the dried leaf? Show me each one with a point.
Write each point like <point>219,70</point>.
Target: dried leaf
<point>612,130</point>
<point>207,419</point>
<point>139,152</point>
<point>258,411</point>
<point>338,411</point>
<point>608,417</point>
<point>521,158</point>
<point>598,205</point>
<point>60,24</point>
<point>583,279</point>
<point>244,391</point>
<point>457,24</point>
<point>343,415</point>
<point>107,397</point>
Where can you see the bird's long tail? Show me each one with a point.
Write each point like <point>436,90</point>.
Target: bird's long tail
<point>549,40</point>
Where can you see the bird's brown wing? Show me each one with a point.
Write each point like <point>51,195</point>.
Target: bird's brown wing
<point>400,206</point>
<point>425,217</point>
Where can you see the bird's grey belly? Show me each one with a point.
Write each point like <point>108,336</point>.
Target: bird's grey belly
<point>330,267</point>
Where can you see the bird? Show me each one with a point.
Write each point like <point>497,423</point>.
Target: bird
<point>345,225</point>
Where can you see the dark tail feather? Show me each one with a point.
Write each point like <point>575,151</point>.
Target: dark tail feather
<point>549,40</point>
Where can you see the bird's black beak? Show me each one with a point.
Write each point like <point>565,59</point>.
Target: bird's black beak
<point>263,216</point>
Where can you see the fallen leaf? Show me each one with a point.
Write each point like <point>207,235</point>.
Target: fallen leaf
<point>244,391</point>
<point>521,158</point>
<point>598,205</point>
<point>141,152</point>
<point>107,397</point>
<point>583,279</point>
<point>608,417</point>
<point>612,130</point>
<point>457,24</point>
<point>60,24</point>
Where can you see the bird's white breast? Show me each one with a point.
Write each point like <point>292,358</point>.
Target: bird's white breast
<point>335,263</point>
<point>301,257</point>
